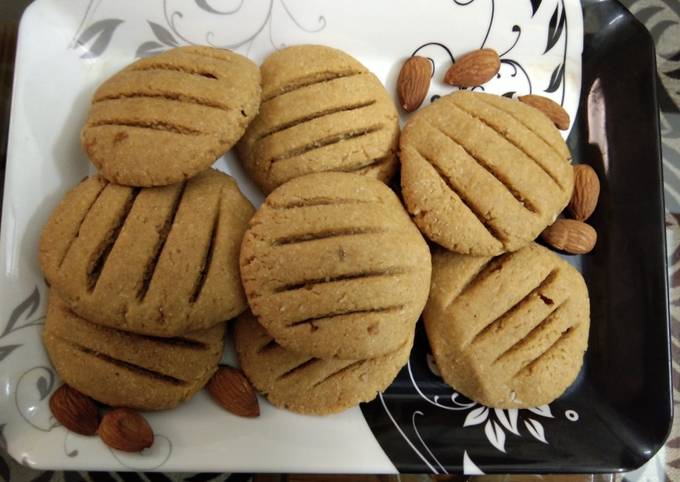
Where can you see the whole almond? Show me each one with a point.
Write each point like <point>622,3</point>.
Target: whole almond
<point>414,82</point>
<point>474,68</point>
<point>75,411</point>
<point>125,429</point>
<point>232,390</point>
<point>549,107</point>
<point>571,236</point>
<point>586,192</point>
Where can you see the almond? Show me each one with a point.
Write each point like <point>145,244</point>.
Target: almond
<point>75,411</point>
<point>125,429</point>
<point>414,82</point>
<point>232,390</point>
<point>571,236</point>
<point>549,107</point>
<point>586,192</point>
<point>474,68</point>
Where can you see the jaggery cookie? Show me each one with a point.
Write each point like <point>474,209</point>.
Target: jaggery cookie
<point>510,331</point>
<point>127,370</point>
<point>333,267</point>
<point>165,118</point>
<point>483,174</point>
<point>160,261</point>
<point>321,111</point>
<point>309,385</point>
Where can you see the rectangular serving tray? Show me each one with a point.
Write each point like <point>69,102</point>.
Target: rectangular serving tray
<point>615,416</point>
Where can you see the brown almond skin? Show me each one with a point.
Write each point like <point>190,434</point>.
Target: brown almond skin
<point>126,430</point>
<point>414,82</point>
<point>549,107</point>
<point>586,193</point>
<point>231,389</point>
<point>474,68</point>
<point>570,236</point>
<point>75,411</point>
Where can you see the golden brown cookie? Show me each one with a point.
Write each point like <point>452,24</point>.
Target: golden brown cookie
<point>333,267</point>
<point>483,174</point>
<point>510,331</point>
<point>321,111</point>
<point>127,370</point>
<point>309,385</point>
<point>160,261</point>
<point>165,118</point>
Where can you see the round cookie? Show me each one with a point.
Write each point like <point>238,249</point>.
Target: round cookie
<point>483,174</point>
<point>321,111</point>
<point>160,261</point>
<point>308,385</point>
<point>165,118</point>
<point>127,370</point>
<point>333,267</point>
<point>510,331</point>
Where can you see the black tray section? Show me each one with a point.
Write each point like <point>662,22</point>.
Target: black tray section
<point>618,413</point>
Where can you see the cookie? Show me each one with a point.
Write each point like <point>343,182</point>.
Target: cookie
<point>309,385</point>
<point>321,111</point>
<point>483,174</point>
<point>127,370</point>
<point>160,261</point>
<point>333,267</point>
<point>509,331</point>
<point>165,118</point>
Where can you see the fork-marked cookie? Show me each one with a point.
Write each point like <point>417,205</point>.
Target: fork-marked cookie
<point>161,261</point>
<point>333,266</point>
<point>321,111</point>
<point>165,118</point>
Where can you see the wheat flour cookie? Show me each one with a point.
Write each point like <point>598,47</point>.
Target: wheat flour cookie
<point>160,261</point>
<point>333,267</point>
<point>483,174</point>
<point>510,331</point>
<point>309,385</point>
<point>165,118</point>
<point>321,111</point>
<point>126,370</point>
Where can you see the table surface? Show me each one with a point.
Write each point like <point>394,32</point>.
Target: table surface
<point>662,18</point>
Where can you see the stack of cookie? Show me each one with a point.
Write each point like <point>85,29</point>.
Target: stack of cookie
<point>482,177</point>
<point>337,276</point>
<point>335,272</point>
<point>142,259</point>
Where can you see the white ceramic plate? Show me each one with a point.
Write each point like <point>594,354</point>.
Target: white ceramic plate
<point>67,47</point>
